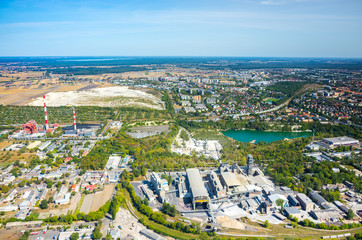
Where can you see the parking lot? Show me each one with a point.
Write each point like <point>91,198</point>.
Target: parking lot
<point>50,234</point>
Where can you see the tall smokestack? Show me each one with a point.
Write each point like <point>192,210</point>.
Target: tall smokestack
<point>74,122</point>
<point>46,115</point>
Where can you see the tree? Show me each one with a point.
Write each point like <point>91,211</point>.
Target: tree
<point>169,209</point>
<point>280,202</point>
<point>350,214</point>
<point>74,236</point>
<point>109,237</point>
<point>44,204</point>
<point>203,236</point>
<point>25,236</point>
<point>97,234</point>
<point>266,224</point>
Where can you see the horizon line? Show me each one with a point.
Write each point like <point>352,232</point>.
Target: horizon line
<point>180,56</point>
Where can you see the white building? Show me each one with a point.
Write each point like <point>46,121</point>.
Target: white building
<point>113,162</point>
<point>63,200</point>
<point>340,141</point>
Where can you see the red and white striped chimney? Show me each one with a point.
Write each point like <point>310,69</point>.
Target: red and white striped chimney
<point>74,122</point>
<point>46,115</point>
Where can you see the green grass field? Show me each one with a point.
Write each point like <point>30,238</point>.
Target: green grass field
<point>270,100</point>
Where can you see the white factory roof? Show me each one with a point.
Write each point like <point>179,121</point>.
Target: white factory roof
<point>344,139</point>
<point>196,184</point>
<point>230,179</point>
<point>44,145</point>
<point>33,144</point>
<point>275,197</point>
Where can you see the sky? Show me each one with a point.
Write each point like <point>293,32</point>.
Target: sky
<point>245,28</point>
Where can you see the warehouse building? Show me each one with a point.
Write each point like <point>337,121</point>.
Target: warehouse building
<point>306,203</point>
<point>200,196</point>
<point>340,141</point>
<point>342,207</point>
<point>292,211</point>
<point>293,201</point>
<point>317,198</point>
<point>230,181</point>
<point>330,215</point>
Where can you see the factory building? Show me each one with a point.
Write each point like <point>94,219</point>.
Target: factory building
<point>293,201</point>
<point>230,181</point>
<point>341,207</point>
<point>217,189</point>
<point>330,215</point>
<point>200,196</point>
<point>30,127</point>
<point>340,141</point>
<point>292,211</point>
<point>317,198</point>
<point>306,203</point>
<point>160,185</point>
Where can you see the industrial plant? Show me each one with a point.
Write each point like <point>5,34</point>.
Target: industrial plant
<point>234,192</point>
<point>32,130</point>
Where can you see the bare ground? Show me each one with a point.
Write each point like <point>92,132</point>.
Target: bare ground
<point>100,198</point>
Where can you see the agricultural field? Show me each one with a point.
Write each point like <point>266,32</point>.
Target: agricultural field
<point>22,95</point>
<point>26,75</point>
<point>23,92</point>
<point>4,144</point>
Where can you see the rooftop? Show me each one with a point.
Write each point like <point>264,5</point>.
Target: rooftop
<point>230,179</point>
<point>196,184</point>
<point>340,139</point>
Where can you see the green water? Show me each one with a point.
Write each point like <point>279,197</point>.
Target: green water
<point>250,135</point>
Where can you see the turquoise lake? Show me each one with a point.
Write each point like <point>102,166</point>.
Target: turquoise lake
<point>250,135</point>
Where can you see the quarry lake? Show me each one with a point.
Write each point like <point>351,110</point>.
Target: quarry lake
<point>267,136</point>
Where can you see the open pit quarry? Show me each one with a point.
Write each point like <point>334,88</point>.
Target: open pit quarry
<point>102,97</point>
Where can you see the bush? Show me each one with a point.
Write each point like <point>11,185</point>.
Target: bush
<point>44,204</point>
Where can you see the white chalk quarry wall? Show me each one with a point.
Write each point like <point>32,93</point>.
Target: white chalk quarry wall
<point>99,96</point>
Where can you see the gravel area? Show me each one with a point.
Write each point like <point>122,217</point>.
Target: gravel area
<point>129,224</point>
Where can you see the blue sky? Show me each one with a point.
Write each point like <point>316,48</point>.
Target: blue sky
<point>279,28</point>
